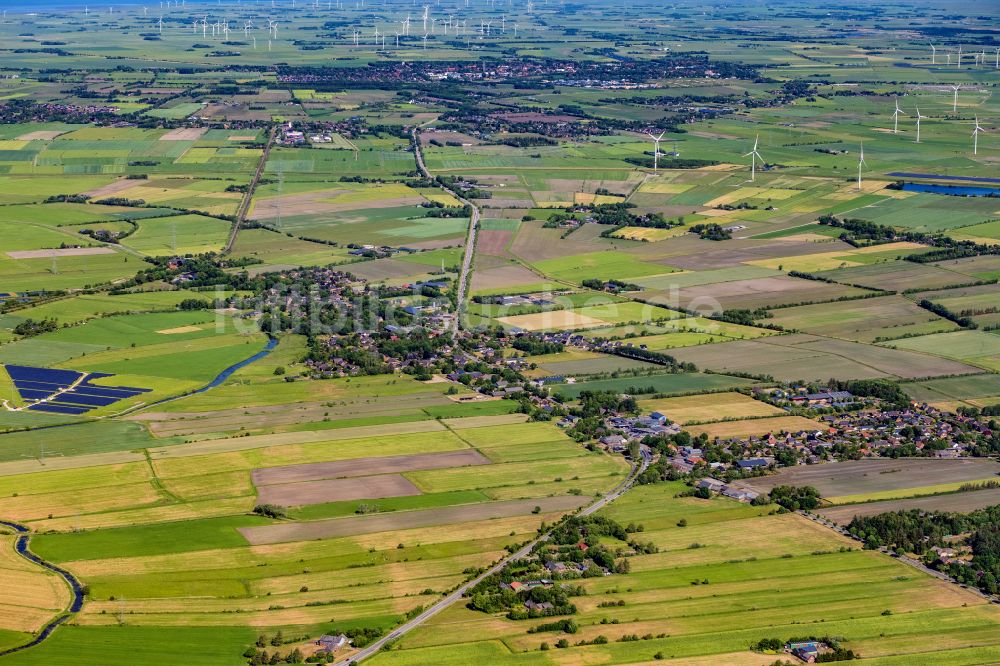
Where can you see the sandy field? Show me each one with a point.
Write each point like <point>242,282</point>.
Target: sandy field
<point>59,252</point>
<point>40,135</point>
<point>556,319</point>
<point>184,134</point>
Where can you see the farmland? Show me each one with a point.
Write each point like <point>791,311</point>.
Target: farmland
<point>311,313</point>
<point>739,599</point>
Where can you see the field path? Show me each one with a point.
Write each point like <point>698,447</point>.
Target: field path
<point>241,212</point>
<point>455,596</point>
<point>470,241</point>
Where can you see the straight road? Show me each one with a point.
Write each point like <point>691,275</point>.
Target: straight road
<point>241,212</point>
<point>453,597</point>
<point>470,241</point>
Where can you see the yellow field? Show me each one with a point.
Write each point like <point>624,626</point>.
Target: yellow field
<point>655,187</point>
<point>648,233</point>
<point>742,193</point>
<point>557,319</point>
<point>709,407</point>
<point>443,199</point>
<point>755,427</point>
<point>30,596</point>
<point>823,261</point>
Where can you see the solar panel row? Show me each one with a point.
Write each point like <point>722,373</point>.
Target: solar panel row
<point>46,384</point>
<point>47,375</point>
<point>58,409</point>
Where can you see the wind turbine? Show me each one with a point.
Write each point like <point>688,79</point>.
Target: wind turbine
<point>933,54</point>
<point>954,102</point>
<point>656,148</point>
<point>895,118</point>
<point>397,40</point>
<point>918,124</point>
<point>425,40</point>
<point>975,137</point>
<point>959,65</point>
<point>861,163</point>
<point>754,156</point>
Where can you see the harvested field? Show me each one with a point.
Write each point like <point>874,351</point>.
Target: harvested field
<point>792,357</point>
<point>59,252</point>
<point>111,188</point>
<point>754,427</point>
<point>367,466</point>
<point>710,407</point>
<point>40,135</point>
<point>553,320</point>
<point>184,134</point>
<point>336,490</point>
<point>760,292</point>
<point>874,475</point>
<point>338,527</point>
<point>179,329</point>
<point>962,502</point>
<point>493,242</point>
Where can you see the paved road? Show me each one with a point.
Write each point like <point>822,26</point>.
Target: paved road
<point>453,597</point>
<point>470,241</point>
<point>241,212</point>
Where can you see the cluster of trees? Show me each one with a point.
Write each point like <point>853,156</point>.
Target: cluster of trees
<point>917,531</point>
<point>886,391</point>
<point>942,311</point>
<point>30,327</point>
<point>613,286</point>
<point>533,346</point>
<point>711,231</point>
<point>794,498</point>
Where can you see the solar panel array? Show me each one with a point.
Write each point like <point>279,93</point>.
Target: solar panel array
<point>49,389</point>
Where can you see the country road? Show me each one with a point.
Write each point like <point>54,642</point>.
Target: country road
<point>241,212</point>
<point>453,597</point>
<point>470,241</point>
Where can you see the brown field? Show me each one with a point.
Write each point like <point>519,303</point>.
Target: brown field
<point>386,269</point>
<point>336,490</point>
<point>184,134</point>
<point>338,527</point>
<point>59,252</point>
<point>739,251</point>
<point>873,475</point>
<point>749,427</point>
<point>958,502</point>
<point>367,466</point>
<point>493,242</point>
<point>40,135</point>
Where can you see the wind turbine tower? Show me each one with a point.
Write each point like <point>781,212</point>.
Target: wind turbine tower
<point>895,118</point>
<point>954,102</point>
<point>656,148</point>
<point>933,54</point>
<point>975,137</point>
<point>861,163</point>
<point>754,156</point>
<point>918,124</point>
